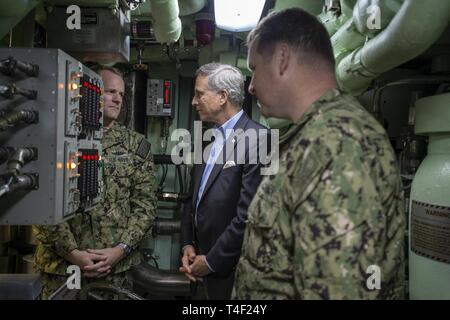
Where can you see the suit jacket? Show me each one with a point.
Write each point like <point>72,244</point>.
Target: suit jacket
<point>222,210</point>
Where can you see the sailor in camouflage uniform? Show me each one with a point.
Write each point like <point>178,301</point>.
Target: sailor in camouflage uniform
<point>333,216</point>
<point>103,241</point>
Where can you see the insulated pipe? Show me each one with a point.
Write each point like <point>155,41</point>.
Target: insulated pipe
<point>188,7</point>
<point>167,24</point>
<point>356,30</point>
<point>313,7</point>
<point>362,14</point>
<point>404,39</point>
<point>345,40</point>
<point>331,21</point>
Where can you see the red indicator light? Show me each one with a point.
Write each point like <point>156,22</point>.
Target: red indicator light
<point>167,86</point>
<point>166,95</point>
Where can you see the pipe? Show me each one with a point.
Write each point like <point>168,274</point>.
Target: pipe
<point>19,158</point>
<point>345,40</point>
<point>26,181</point>
<point>86,292</point>
<point>313,7</point>
<point>334,16</point>
<point>148,280</point>
<point>376,102</point>
<point>347,7</point>
<point>404,39</point>
<point>167,24</point>
<point>355,31</point>
<point>362,13</point>
<point>188,7</point>
<point>10,65</point>
<point>8,91</point>
<point>331,21</point>
<point>15,117</point>
<point>163,226</point>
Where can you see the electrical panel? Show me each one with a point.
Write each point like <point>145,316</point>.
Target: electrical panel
<point>160,102</point>
<point>50,130</point>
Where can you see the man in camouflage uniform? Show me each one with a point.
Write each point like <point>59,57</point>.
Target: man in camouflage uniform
<point>103,241</point>
<point>335,208</point>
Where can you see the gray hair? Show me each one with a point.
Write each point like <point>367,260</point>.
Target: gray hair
<point>224,77</point>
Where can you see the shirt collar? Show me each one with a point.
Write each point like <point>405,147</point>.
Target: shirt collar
<point>230,123</point>
<point>317,107</point>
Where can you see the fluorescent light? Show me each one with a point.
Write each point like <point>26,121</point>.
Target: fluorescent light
<point>237,15</point>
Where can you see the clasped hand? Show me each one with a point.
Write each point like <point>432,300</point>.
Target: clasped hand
<point>96,263</point>
<point>193,266</point>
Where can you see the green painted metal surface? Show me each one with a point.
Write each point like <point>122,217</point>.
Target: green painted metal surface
<point>429,278</point>
<point>12,12</point>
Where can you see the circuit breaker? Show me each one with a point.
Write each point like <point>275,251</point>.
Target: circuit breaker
<point>160,98</point>
<point>50,130</point>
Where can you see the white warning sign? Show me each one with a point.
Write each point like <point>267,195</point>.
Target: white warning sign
<point>430,231</point>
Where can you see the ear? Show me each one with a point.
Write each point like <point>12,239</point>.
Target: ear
<point>223,97</point>
<point>283,55</point>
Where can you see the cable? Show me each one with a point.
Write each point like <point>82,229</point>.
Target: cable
<point>5,188</point>
<point>9,91</point>
<point>10,65</point>
<point>180,178</point>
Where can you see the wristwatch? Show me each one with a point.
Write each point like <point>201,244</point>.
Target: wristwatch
<point>126,248</point>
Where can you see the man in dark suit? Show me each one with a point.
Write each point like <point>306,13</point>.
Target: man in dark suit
<point>223,185</point>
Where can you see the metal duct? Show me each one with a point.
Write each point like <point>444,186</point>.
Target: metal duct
<point>150,281</point>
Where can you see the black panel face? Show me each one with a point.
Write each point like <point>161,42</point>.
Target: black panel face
<point>88,170</point>
<point>90,104</point>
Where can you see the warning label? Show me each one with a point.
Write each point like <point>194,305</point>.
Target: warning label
<point>84,36</point>
<point>430,231</point>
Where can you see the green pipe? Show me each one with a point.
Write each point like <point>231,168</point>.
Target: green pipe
<point>312,6</point>
<point>361,14</point>
<point>345,40</point>
<point>355,31</point>
<point>403,39</point>
<point>188,7</point>
<point>347,7</point>
<point>333,21</point>
<point>166,22</point>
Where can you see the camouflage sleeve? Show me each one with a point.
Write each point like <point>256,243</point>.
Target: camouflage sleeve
<point>336,223</point>
<point>59,237</point>
<point>142,201</point>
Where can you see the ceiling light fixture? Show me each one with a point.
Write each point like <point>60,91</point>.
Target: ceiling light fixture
<point>237,15</point>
